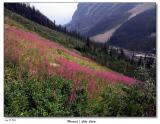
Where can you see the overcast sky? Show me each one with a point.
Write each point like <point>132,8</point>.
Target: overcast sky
<point>60,12</point>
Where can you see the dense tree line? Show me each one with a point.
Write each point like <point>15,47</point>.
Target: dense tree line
<point>25,10</point>
<point>107,55</point>
<point>31,13</point>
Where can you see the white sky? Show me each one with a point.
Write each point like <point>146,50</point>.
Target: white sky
<point>60,12</point>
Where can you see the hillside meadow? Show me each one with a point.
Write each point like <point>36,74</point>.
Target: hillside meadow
<point>44,78</point>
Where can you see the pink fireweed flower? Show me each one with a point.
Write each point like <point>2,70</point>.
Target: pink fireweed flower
<point>33,72</point>
<point>72,68</point>
<point>68,69</point>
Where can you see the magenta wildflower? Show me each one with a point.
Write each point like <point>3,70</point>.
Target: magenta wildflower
<point>67,69</point>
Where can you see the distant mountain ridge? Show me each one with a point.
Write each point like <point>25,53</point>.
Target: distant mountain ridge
<point>100,21</point>
<point>139,33</point>
<point>88,15</point>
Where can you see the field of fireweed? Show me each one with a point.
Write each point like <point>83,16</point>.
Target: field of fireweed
<point>43,78</point>
<point>43,56</point>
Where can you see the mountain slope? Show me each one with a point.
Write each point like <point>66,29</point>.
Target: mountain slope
<point>45,79</point>
<point>139,33</point>
<point>88,15</point>
<point>56,56</point>
<point>100,21</point>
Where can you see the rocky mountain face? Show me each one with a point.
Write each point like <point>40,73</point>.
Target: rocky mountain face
<point>103,22</point>
<point>139,33</point>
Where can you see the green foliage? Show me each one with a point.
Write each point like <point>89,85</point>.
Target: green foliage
<point>130,101</point>
<point>47,95</point>
<point>33,97</point>
<point>15,104</point>
<point>79,106</point>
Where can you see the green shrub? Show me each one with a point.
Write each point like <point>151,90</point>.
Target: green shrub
<point>34,97</point>
<point>132,101</point>
<point>48,95</point>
